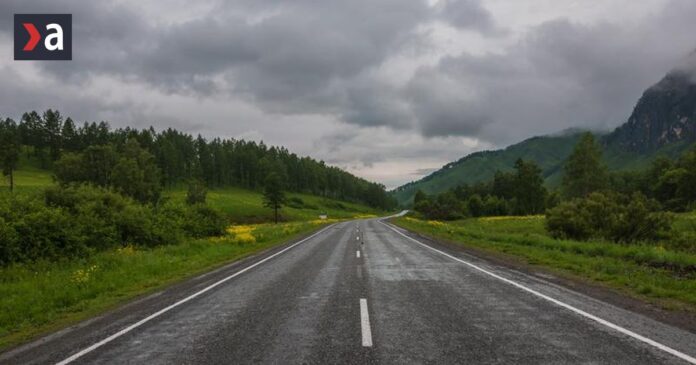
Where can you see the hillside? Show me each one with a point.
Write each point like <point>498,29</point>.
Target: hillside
<point>663,122</point>
<point>548,151</point>
<point>239,204</point>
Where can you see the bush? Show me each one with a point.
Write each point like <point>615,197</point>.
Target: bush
<point>610,216</point>
<point>566,221</point>
<point>108,219</point>
<point>475,204</point>
<point>76,220</point>
<point>204,221</point>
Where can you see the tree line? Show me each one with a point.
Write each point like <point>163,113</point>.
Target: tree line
<point>59,143</point>
<point>591,202</point>
<point>521,192</point>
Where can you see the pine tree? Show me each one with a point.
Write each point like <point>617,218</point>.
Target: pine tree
<point>530,194</point>
<point>273,196</point>
<point>584,170</point>
<point>69,136</point>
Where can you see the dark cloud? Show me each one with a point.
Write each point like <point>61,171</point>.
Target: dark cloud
<point>470,15</point>
<point>560,75</point>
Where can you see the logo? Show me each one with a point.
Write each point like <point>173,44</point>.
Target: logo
<point>43,36</point>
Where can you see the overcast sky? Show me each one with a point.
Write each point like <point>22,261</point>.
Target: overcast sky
<point>389,90</point>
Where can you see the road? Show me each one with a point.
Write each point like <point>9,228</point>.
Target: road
<point>364,292</point>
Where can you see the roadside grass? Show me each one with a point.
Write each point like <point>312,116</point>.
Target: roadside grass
<point>43,297</point>
<point>657,273</point>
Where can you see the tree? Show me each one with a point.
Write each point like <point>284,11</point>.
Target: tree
<point>53,123</point>
<point>9,149</point>
<point>136,174</point>
<point>530,194</point>
<point>475,205</point>
<point>273,196</point>
<point>584,171</point>
<point>98,162</point>
<point>69,136</point>
<point>419,197</point>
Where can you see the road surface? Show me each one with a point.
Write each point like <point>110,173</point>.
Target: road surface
<point>364,292</point>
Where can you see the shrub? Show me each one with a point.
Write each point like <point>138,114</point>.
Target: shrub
<point>611,216</point>
<point>76,220</point>
<point>475,204</point>
<point>566,221</point>
<point>204,221</point>
<point>10,250</point>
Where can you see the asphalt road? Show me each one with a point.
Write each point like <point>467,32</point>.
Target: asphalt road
<point>364,292</point>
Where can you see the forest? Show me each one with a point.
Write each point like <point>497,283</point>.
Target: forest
<point>59,144</point>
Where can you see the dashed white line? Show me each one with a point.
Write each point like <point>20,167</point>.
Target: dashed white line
<point>357,238</point>
<point>581,312</point>
<point>357,253</point>
<point>365,324</point>
<point>182,301</point>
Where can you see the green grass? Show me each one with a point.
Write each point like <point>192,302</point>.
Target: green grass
<point>243,205</point>
<point>661,275</point>
<point>42,297</point>
<point>28,178</point>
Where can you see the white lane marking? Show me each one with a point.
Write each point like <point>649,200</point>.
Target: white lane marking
<point>182,301</point>
<point>581,312</point>
<point>357,253</point>
<point>357,238</point>
<point>365,324</point>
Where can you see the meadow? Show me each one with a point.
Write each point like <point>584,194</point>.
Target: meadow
<point>663,274</point>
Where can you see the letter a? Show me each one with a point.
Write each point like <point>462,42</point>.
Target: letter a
<point>58,36</point>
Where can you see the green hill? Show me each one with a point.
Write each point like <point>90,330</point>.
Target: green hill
<point>240,205</point>
<point>548,151</point>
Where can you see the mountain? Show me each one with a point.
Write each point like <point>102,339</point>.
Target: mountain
<point>665,114</point>
<point>663,122</point>
<point>548,151</point>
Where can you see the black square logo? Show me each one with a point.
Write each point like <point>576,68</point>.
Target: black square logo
<point>43,37</point>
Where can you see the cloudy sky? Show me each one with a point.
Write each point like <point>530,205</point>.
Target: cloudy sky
<point>388,89</point>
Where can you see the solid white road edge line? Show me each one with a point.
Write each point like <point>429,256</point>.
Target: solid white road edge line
<point>365,324</point>
<point>613,326</point>
<point>180,302</point>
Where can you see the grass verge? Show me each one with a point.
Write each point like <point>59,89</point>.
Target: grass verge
<point>653,273</point>
<point>43,297</point>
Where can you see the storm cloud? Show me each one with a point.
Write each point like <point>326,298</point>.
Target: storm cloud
<point>385,88</point>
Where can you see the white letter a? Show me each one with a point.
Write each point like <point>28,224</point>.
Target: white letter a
<point>58,36</point>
